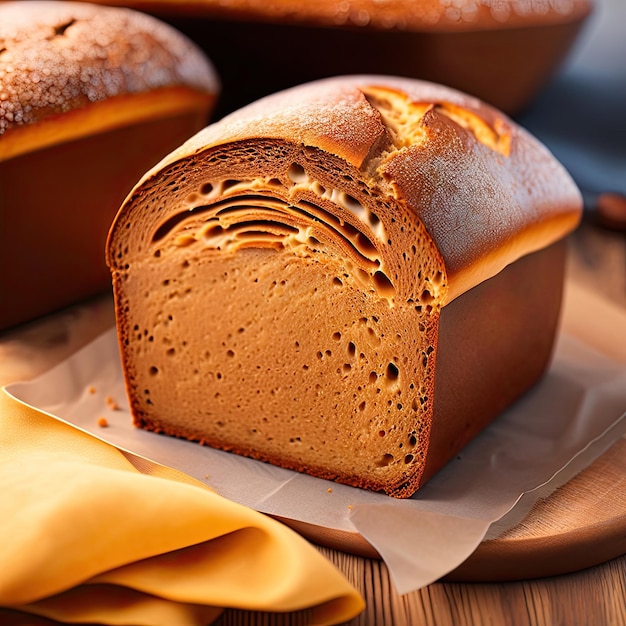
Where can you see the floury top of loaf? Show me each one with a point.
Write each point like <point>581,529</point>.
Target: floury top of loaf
<point>280,278</point>
<point>59,61</point>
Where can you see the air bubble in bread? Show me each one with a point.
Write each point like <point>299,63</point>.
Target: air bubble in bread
<point>343,279</point>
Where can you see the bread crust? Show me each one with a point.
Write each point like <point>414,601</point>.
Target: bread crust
<point>56,57</point>
<point>452,173</point>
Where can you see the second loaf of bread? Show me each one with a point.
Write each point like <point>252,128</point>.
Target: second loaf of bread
<point>90,98</point>
<point>350,278</point>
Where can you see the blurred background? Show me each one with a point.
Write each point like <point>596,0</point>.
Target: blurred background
<point>581,113</point>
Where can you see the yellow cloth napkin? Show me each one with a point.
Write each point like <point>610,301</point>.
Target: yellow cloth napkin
<point>91,534</point>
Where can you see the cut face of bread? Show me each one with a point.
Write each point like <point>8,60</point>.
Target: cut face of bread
<point>280,279</point>
<point>305,330</point>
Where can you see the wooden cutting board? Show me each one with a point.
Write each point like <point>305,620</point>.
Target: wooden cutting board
<point>583,523</point>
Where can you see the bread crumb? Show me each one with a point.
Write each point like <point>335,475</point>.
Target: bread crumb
<point>206,476</point>
<point>112,404</point>
<point>349,507</point>
<point>330,490</point>
<point>103,422</point>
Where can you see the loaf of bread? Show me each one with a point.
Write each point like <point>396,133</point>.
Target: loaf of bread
<point>351,278</point>
<point>502,51</point>
<point>90,98</point>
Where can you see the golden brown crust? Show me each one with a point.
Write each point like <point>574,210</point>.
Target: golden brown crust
<point>464,163</point>
<point>55,199</point>
<point>407,15</point>
<point>493,346</point>
<point>105,116</point>
<point>60,56</point>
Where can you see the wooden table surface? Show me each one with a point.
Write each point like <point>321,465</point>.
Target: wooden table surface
<point>595,595</point>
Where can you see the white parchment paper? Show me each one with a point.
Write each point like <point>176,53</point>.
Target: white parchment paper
<point>575,413</point>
